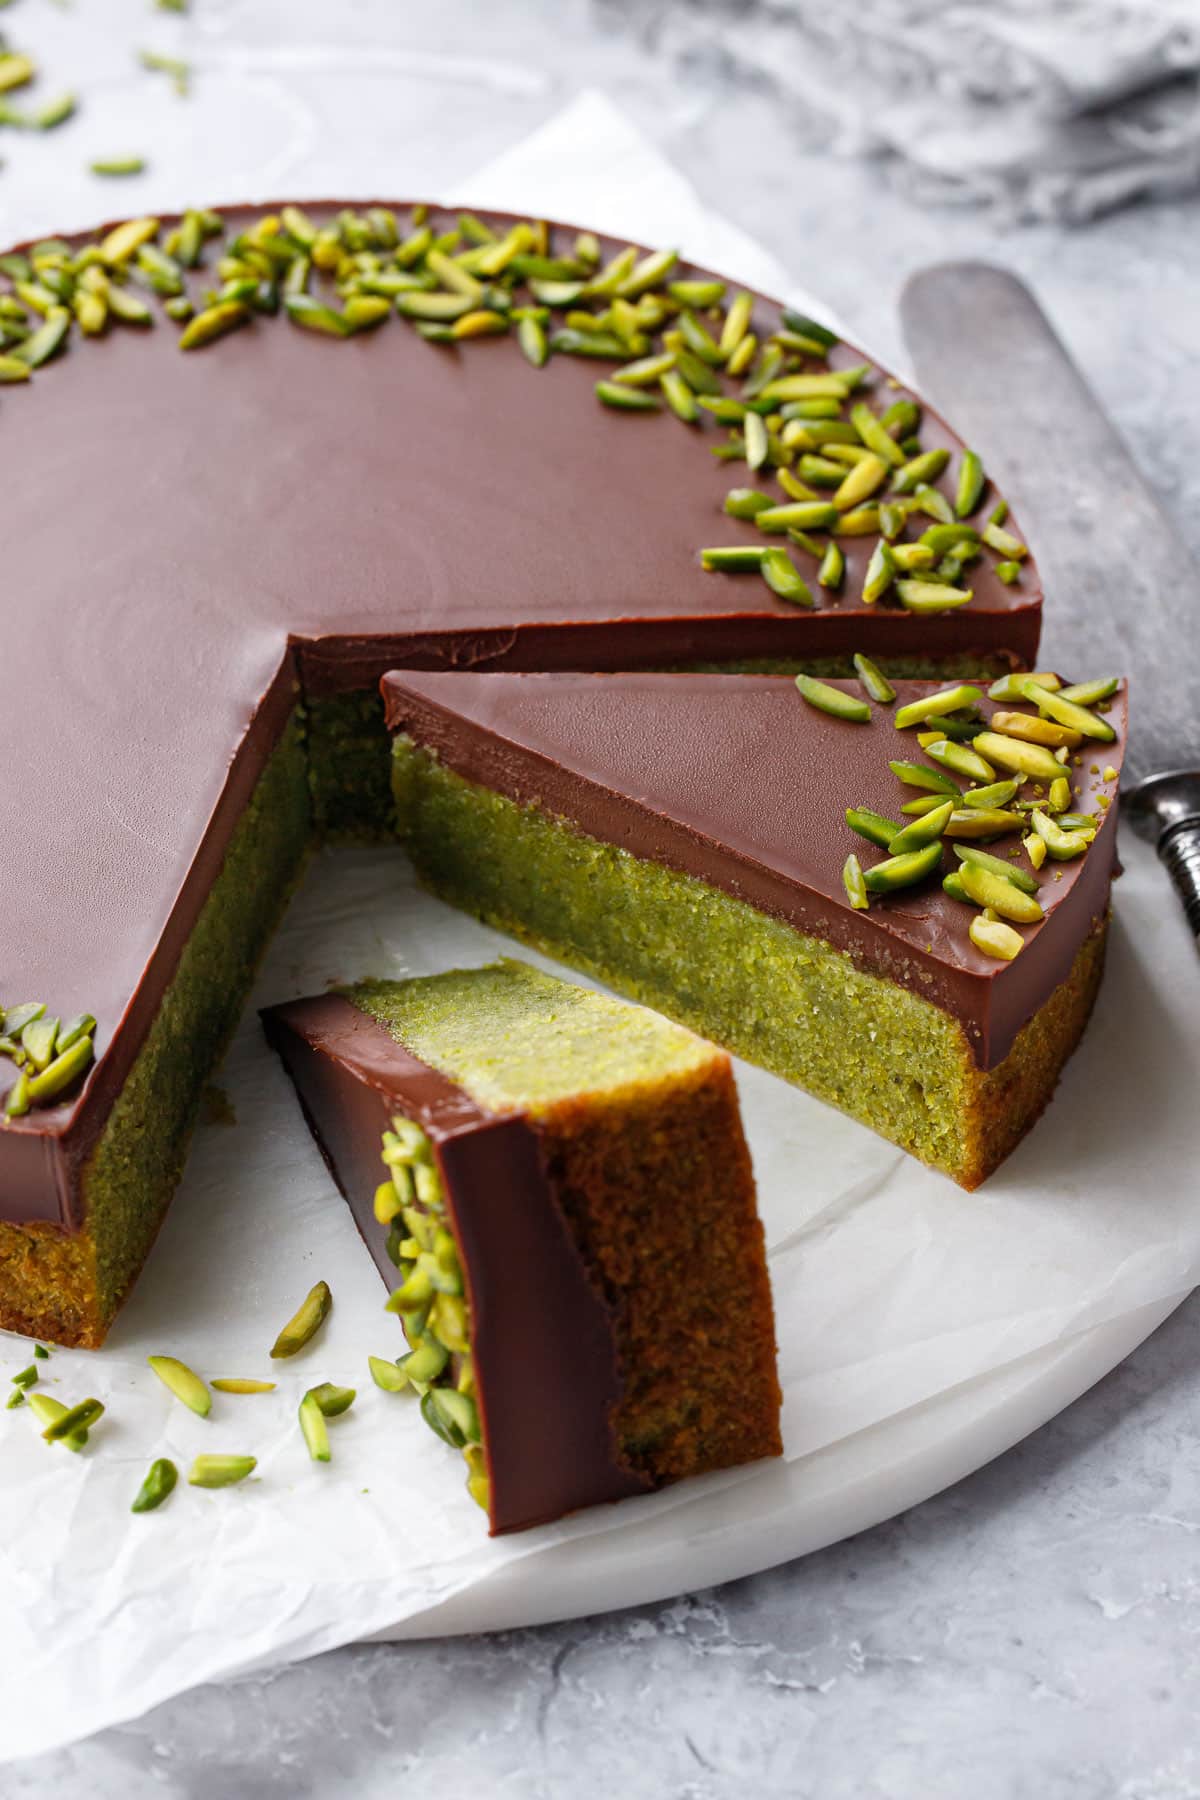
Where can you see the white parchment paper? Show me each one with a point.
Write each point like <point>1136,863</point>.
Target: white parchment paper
<point>891,1286</point>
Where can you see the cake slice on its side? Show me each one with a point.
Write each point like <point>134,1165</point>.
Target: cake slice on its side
<point>569,1201</point>
<point>685,838</point>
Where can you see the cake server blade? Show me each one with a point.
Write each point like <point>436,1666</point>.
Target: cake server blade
<point>1122,588</point>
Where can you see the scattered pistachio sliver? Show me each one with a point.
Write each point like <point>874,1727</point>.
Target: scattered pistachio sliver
<point>1001,896</point>
<point>220,1471</point>
<point>1012,687</point>
<point>315,1430</point>
<point>982,822</point>
<point>918,775</point>
<point>874,681</point>
<point>1089,693</point>
<point>1007,752</point>
<point>48,1411</point>
<point>627,399</point>
<point>118,165</point>
<point>387,1375</point>
<point>832,700</point>
<point>1047,732</point>
<point>855,886</point>
<point>159,1484</point>
<point>880,573</point>
<point>303,1326</point>
<point>872,825</point>
<point>995,938</point>
<point>1069,713</point>
<point>967,853</point>
<point>923,830</point>
<point>183,1382</point>
<point>74,1419</point>
<point>1060,844</point>
<point>971,483</point>
<point>214,322</point>
<point>238,1384</point>
<point>807,515</point>
<point>931,597</point>
<point>948,700</point>
<point>733,559</point>
<point>784,578</point>
<point>960,759</point>
<point>995,794</point>
<point>832,571</point>
<point>903,871</point>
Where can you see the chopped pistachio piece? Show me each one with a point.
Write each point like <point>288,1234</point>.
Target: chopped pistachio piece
<point>1012,687</point>
<point>932,597</point>
<point>968,853</point>
<point>183,1383</point>
<point>214,322</point>
<point>855,886</point>
<point>923,830</point>
<point>961,759</point>
<point>1002,896</point>
<point>73,1420</point>
<point>221,1471</point>
<point>1069,713</point>
<point>733,559</point>
<point>995,938</point>
<point>871,825</point>
<point>832,700</point>
<point>918,775</point>
<point>903,871</point>
<point>949,700</point>
<point>880,573</point>
<point>874,681</point>
<point>832,571</point>
<point>1036,730</point>
<point>982,822</point>
<point>387,1375</point>
<point>971,483</point>
<point>1014,753</point>
<point>158,1485</point>
<point>784,578</point>
<point>239,1384</point>
<point>1061,845</point>
<point>303,1326</point>
<point>1088,693</point>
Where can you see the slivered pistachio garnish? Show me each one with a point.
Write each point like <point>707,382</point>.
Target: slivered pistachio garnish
<point>904,870</point>
<point>833,700</point>
<point>971,483</point>
<point>784,578</point>
<point>183,1383</point>
<point>982,859</point>
<point>304,1324</point>
<point>923,830</point>
<point>238,1384</point>
<point>874,681</point>
<point>995,938</point>
<point>220,1471</point>
<point>74,1420</point>
<point>158,1486</point>
<point>117,165</point>
<point>855,886</point>
<point>48,1411</point>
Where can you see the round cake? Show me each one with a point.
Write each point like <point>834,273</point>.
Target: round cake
<point>265,458</point>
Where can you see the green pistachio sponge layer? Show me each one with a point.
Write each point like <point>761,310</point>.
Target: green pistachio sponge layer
<point>774,995</point>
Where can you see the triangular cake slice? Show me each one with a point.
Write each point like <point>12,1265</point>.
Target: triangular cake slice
<point>685,838</point>
<point>558,1189</point>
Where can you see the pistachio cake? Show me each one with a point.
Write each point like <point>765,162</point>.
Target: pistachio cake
<point>729,850</point>
<point>558,1188</point>
<point>256,461</point>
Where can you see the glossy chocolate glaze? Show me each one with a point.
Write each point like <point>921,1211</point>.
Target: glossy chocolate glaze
<point>193,539</point>
<point>545,1362</point>
<point>734,779</point>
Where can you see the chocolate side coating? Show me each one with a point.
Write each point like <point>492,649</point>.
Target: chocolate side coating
<point>541,1335</point>
<point>193,537</point>
<point>735,780</point>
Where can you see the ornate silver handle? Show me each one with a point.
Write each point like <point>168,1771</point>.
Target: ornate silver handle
<point>1165,810</point>
<point>1179,850</point>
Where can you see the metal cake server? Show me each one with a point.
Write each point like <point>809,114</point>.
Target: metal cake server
<point>1122,585</point>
